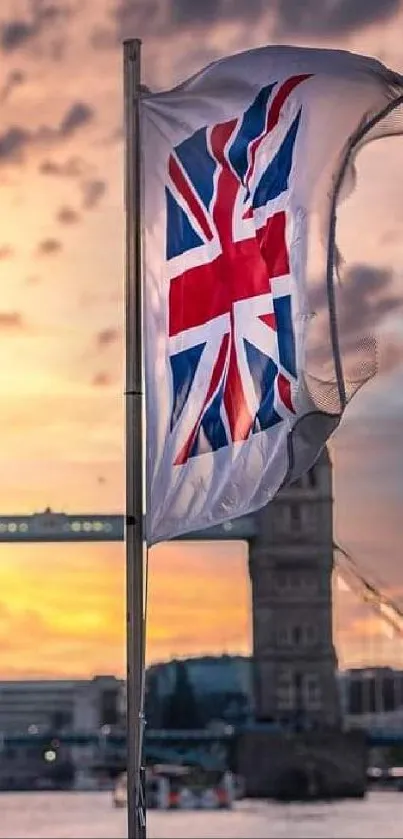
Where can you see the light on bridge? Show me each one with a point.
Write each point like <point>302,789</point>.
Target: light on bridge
<point>60,527</point>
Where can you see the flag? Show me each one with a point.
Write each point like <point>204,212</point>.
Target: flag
<point>237,163</point>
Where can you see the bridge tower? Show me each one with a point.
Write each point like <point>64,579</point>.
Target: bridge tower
<point>290,565</point>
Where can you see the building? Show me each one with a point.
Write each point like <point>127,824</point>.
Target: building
<point>372,697</point>
<point>58,705</point>
<point>34,714</point>
<point>298,747</point>
<point>221,686</point>
<point>291,564</point>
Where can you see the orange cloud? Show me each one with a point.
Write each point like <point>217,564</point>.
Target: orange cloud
<point>62,607</point>
<point>107,336</point>
<point>11,320</point>
<point>49,246</point>
<point>6,252</point>
<point>102,380</point>
<point>67,215</point>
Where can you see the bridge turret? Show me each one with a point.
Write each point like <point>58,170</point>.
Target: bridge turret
<point>291,563</point>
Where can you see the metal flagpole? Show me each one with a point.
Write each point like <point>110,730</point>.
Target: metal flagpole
<point>135,627</point>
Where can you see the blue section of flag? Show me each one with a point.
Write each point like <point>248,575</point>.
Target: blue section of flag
<point>285,333</point>
<point>183,365</point>
<point>274,180</point>
<point>263,371</point>
<point>196,159</point>
<point>181,236</point>
<point>211,434</point>
<point>252,126</point>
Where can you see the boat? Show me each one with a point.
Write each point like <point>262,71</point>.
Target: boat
<point>177,787</point>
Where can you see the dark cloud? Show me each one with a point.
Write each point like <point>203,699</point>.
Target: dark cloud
<point>206,12</point>
<point>6,252</point>
<point>49,246</point>
<point>16,139</point>
<point>13,143</point>
<point>67,215</point>
<point>19,33</point>
<point>107,337</point>
<point>93,191</point>
<point>288,17</point>
<point>14,79</point>
<point>183,13</point>
<point>159,18</point>
<point>78,115</point>
<point>364,299</point>
<point>15,33</point>
<point>102,380</point>
<point>330,17</point>
<point>11,320</point>
<point>74,167</point>
<point>136,19</point>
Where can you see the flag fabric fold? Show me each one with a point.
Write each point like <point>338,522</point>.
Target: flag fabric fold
<point>237,161</point>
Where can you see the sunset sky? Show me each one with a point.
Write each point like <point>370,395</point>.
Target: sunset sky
<point>61,319</point>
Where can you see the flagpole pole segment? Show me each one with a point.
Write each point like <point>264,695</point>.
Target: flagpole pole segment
<point>135,626</point>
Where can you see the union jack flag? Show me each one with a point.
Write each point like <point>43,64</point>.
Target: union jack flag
<point>231,334</point>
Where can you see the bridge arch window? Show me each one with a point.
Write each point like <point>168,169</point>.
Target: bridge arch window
<point>312,479</point>
<point>295,517</point>
<point>297,635</point>
<point>285,690</point>
<point>312,691</point>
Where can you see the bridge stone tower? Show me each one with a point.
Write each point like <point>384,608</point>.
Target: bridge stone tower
<point>290,566</point>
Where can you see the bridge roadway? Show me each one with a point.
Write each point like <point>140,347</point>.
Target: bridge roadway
<point>189,739</point>
<point>50,526</point>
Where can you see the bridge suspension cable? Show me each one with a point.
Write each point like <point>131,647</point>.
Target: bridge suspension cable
<point>350,571</point>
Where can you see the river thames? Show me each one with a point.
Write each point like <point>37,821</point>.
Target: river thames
<point>84,815</point>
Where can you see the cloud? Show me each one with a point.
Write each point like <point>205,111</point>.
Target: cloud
<point>49,246</point>
<point>93,191</point>
<point>13,143</point>
<point>183,13</point>
<point>6,252</point>
<point>11,321</point>
<point>74,167</point>
<point>140,18</point>
<point>78,115</point>
<point>157,18</point>
<point>107,337</point>
<point>290,17</point>
<point>102,380</point>
<point>67,215</point>
<point>14,79</point>
<point>15,33</point>
<point>16,139</point>
<point>330,17</point>
<point>18,33</point>
<point>364,299</point>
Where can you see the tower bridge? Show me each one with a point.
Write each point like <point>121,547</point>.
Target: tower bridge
<point>292,556</point>
<point>50,526</point>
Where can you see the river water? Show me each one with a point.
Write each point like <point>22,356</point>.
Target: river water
<point>83,815</point>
